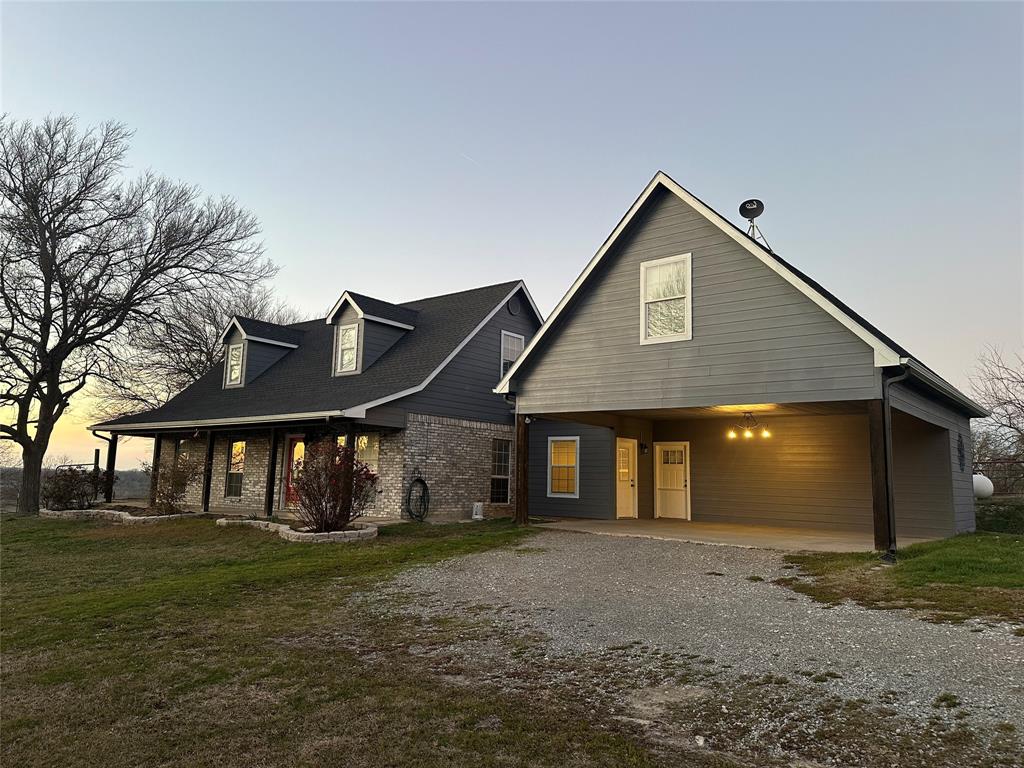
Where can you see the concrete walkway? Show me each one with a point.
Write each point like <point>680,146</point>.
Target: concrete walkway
<point>731,534</point>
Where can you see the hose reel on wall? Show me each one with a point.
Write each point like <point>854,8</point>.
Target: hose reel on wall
<point>417,498</point>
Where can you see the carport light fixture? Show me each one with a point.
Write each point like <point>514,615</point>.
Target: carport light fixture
<point>748,427</point>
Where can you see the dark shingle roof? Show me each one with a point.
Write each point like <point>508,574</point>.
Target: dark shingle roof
<point>383,309</point>
<point>301,381</point>
<point>273,331</point>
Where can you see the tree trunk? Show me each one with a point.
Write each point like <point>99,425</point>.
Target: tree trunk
<point>31,474</point>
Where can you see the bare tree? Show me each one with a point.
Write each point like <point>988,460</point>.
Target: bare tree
<point>166,356</point>
<point>999,386</point>
<point>88,259</point>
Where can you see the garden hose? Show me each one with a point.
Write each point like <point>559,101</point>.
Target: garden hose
<point>417,499</point>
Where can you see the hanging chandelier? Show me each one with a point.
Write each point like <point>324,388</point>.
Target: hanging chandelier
<point>748,428</point>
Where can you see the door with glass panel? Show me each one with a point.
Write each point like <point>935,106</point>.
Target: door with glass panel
<point>295,451</point>
<point>672,480</point>
<point>625,477</point>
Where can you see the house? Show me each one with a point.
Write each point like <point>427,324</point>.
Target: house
<point>691,373</point>
<point>410,385</point>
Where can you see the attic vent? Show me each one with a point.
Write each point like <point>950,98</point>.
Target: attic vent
<point>514,306</point>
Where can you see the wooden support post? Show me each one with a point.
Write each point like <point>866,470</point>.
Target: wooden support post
<point>879,475</point>
<point>346,478</point>
<point>522,473</point>
<point>268,499</point>
<point>108,489</point>
<point>208,471</point>
<point>154,472</point>
<point>96,474</point>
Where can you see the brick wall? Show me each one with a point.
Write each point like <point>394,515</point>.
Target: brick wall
<point>453,456</point>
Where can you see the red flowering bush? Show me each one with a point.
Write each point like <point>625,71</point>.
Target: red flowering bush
<point>332,487</point>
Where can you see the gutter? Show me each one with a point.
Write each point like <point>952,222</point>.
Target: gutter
<point>925,376</point>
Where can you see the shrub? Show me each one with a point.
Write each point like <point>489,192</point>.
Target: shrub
<point>173,483</point>
<point>332,486</point>
<point>70,487</point>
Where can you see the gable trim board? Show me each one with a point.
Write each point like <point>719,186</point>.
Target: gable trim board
<point>345,297</point>
<point>233,323</point>
<point>353,412</point>
<point>359,411</point>
<point>885,353</point>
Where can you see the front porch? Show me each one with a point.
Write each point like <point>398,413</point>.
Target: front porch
<point>787,539</point>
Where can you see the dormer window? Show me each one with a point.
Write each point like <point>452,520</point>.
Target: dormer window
<point>347,347</point>
<point>233,365</point>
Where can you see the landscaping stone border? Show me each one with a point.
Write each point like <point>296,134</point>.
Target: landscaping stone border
<point>286,532</point>
<point>109,516</point>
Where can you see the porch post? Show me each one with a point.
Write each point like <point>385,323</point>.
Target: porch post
<point>154,473</point>
<point>208,471</point>
<point>268,500</point>
<point>880,484</point>
<point>522,464</point>
<point>108,488</point>
<point>346,477</point>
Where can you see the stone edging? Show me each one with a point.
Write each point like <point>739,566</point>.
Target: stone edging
<point>108,516</point>
<point>286,532</point>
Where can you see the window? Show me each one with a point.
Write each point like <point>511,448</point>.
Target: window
<point>236,468</point>
<point>348,344</point>
<point>367,449</point>
<point>511,348</point>
<point>665,300</point>
<point>501,463</point>
<point>234,365</point>
<point>563,464</point>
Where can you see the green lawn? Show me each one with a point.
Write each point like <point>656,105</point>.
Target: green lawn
<point>974,575</point>
<point>187,644</point>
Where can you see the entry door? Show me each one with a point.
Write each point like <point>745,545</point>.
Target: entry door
<point>295,452</point>
<point>625,477</point>
<point>672,480</point>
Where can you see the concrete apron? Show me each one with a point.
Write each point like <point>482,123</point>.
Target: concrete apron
<point>724,534</point>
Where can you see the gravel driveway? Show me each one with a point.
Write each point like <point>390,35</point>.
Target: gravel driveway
<point>715,606</point>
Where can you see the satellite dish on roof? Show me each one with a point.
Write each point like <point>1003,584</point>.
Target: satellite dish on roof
<point>751,209</point>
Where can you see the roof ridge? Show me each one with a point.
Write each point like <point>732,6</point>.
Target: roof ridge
<point>507,283</point>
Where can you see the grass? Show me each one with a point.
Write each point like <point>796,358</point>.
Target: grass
<point>184,643</point>
<point>1000,515</point>
<point>977,575</point>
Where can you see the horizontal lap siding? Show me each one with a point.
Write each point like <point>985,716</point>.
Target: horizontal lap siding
<point>755,337</point>
<point>921,478</point>
<point>464,389</point>
<point>813,472</point>
<point>958,427</point>
<point>596,478</point>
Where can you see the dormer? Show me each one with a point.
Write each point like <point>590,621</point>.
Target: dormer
<point>252,346</point>
<point>364,329</point>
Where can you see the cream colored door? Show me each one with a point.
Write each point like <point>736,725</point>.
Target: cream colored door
<point>672,480</point>
<point>625,477</point>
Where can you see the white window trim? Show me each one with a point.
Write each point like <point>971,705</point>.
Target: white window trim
<point>564,439</point>
<point>241,365</point>
<point>501,351</point>
<point>688,334</point>
<point>508,489</point>
<point>337,350</point>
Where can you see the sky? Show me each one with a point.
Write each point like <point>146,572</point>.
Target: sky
<point>405,150</point>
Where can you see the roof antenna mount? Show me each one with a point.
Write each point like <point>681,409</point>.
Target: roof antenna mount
<point>750,210</point>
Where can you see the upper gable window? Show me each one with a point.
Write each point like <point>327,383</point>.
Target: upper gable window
<point>234,365</point>
<point>511,348</point>
<point>665,300</point>
<point>347,346</point>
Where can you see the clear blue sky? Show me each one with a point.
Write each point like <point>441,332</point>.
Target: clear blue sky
<point>405,150</point>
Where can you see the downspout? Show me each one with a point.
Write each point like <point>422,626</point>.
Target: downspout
<point>890,494</point>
